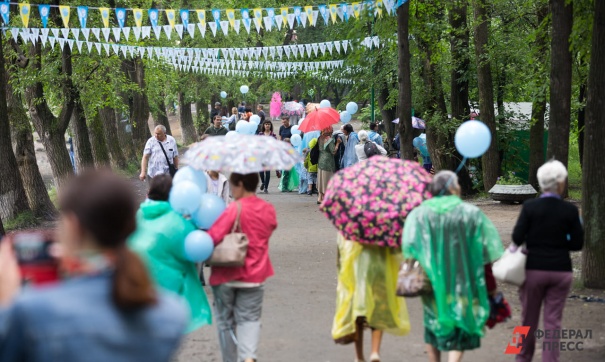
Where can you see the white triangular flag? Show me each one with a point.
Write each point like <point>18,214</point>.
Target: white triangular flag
<point>54,30</point>
<point>247,23</point>
<point>157,30</point>
<point>115,48</point>
<point>137,32</point>
<point>191,30</point>
<point>142,52</point>
<point>265,52</point>
<point>75,32</point>
<point>225,27</point>
<point>212,26</point>
<point>329,45</point>
<point>24,35</point>
<point>291,18</point>
<point>89,46</point>
<point>345,44</point>
<point>315,48</point>
<point>308,48</point>
<point>280,51</point>
<point>340,13</point>
<point>337,46</point>
<point>64,32</point>
<point>272,52</point>
<point>116,33</point>
<point>79,45</point>
<point>97,33</point>
<point>179,30</point>
<point>258,52</point>
<point>44,31</point>
<point>52,40</point>
<point>376,42</point>
<point>303,19</point>
<point>236,25</point>
<point>98,46</point>
<point>43,39</point>
<point>322,48</point>
<point>61,43</point>
<point>301,49</point>
<point>124,49</point>
<point>314,17</point>
<point>70,42</point>
<point>146,32</point>
<point>106,33</point>
<point>268,23</point>
<point>279,20</point>
<point>167,31</point>
<point>287,51</point>
<point>257,24</point>
<point>126,31</point>
<point>202,29</point>
<point>86,33</point>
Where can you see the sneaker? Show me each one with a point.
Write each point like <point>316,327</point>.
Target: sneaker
<point>266,191</point>
<point>262,187</point>
<point>310,193</point>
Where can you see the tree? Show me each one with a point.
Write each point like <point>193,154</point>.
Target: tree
<point>79,128</point>
<point>187,128</point>
<point>99,147</point>
<point>406,134</point>
<point>593,195</point>
<point>110,132</point>
<point>491,158</point>
<point>560,81</point>
<point>13,200</point>
<point>138,103</point>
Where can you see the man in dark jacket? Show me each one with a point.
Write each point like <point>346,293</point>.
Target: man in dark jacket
<point>217,128</point>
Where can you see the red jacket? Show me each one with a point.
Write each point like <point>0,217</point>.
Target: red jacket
<point>257,221</point>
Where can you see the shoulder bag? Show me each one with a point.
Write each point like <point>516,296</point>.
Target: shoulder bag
<point>231,252</point>
<point>412,280</point>
<point>171,169</point>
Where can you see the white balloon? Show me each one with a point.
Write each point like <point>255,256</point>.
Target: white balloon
<point>325,104</point>
<point>295,140</point>
<point>352,107</point>
<point>295,130</point>
<point>255,119</point>
<point>244,89</point>
<point>223,94</point>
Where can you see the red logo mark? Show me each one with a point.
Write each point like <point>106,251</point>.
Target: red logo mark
<point>516,344</point>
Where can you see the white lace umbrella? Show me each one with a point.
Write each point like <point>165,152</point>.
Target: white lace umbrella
<point>241,154</point>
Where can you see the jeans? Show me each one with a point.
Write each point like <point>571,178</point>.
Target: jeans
<point>238,312</point>
<point>265,176</point>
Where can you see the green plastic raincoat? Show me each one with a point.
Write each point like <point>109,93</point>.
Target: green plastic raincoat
<point>159,241</point>
<point>453,240</point>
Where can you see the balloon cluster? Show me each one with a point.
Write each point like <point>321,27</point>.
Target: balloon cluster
<point>245,127</point>
<point>188,197</point>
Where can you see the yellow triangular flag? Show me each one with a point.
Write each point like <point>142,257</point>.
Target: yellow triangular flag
<point>24,11</point>
<point>231,17</point>
<point>171,17</point>
<point>258,14</point>
<point>105,16</point>
<point>284,13</point>
<point>309,11</point>
<point>379,8</point>
<point>138,17</point>
<point>201,15</point>
<point>64,10</point>
<point>356,9</point>
<point>333,12</point>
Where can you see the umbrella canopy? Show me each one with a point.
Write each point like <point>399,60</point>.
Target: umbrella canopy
<point>319,119</point>
<point>369,201</point>
<point>416,122</point>
<point>241,154</point>
<point>292,109</point>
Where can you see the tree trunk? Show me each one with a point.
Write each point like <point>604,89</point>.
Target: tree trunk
<point>51,129</point>
<point>593,194</point>
<point>108,122</point>
<point>161,117</point>
<point>13,199</point>
<point>139,104</point>
<point>82,146</point>
<point>581,122</point>
<point>490,160</point>
<point>2,232</point>
<point>406,133</point>
<point>188,134</point>
<point>388,115</point>
<point>35,189</point>
<point>560,81</point>
<point>125,137</point>
<point>99,147</point>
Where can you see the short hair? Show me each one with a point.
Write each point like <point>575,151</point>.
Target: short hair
<point>249,181</point>
<point>161,127</point>
<point>260,106</point>
<point>363,136</point>
<point>551,174</point>
<point>248,109</point>
<point>285,118</point>
<point>443,182</point>
<point>243,103</point>
<point>216,116</point>
<point>373,126</point>
<point>348,128</point>
<point>159,190</point>
<point>217,104</point>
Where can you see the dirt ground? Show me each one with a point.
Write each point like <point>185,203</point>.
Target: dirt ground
<point>300,299</point>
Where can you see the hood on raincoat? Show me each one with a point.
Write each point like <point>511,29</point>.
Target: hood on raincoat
<point>152,209</point>
<point>312,143</point>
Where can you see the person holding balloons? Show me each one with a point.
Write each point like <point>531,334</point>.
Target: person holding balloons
<point>160,241</point>
<point>238,291</point>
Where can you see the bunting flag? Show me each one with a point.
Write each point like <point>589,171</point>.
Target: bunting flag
<point>82,12</point>
<point>64,10</point>
<point>185,18</point>
<point>284,13</point>
<point>121,16</point>
<point>153,17</point>
<point>5,12</point>
<point>333,10</point>
<point>216,15</point>
<point>323,10</point>
<point>345,11</point>
<point>271,16</point>
<point>105,16</point>
<point>258,13</point>
<point>24,10</point>
<point>356,9</point>
<point>201,16</point>
<point>231,17</point>
<point>309,12</point>
<point>378,8</point>
<point>246,19</point>
<point>297,12</point>
<point>138,17</point>
<point>171,18</point>
<point>44,12</point>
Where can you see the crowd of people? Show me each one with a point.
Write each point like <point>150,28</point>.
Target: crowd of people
<point>131,292</point>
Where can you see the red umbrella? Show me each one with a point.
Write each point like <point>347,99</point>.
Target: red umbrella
<point>319,119</point>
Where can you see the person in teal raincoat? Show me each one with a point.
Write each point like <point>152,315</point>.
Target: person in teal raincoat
<point>159,240</point>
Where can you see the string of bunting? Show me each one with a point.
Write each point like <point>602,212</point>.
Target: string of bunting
<point>264,18</point>
<point>253,53</point>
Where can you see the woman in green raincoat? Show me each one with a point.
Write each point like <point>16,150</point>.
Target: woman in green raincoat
<point>452,241</point>
<point>159,240</point>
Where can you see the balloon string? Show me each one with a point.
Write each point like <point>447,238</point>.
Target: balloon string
<point>451,179</point>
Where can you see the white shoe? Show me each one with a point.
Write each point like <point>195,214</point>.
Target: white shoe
<point>374,357</point>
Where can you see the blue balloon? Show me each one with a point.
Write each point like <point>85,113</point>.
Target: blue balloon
<point>295,130</point>
<point>325,104</point>
<point>223,94</point>
<point>251,127</point>
<point>345,117</point>
<point>352,107</point>
<point>210,208</point>
<point>472,139</point>
<point>295,140</point>
<point>188,173</point>
<point>198,246</point>
<point>185,197</point>
<point>240,127</point>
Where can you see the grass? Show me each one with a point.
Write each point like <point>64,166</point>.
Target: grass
<point>21,221</point>
<point>54,197</point>
<point>575,173</point>
<point>131,170</point>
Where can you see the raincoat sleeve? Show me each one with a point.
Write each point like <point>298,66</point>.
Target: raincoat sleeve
<point>492,244</point>
<point>224,224</point>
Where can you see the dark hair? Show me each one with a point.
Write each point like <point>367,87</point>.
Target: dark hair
<point>260,106</point>
<point>105,206</point>
<point>249,181</point>
<point>160,188</point>
<point>285,118</point>
<point>348,128</point>
<point>248,109</point>
<point>373,126</point>
<point>264,123</point>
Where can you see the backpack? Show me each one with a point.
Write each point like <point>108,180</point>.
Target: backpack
<point>340,153</point>
<point>314,154</point>
<point>370,149</point>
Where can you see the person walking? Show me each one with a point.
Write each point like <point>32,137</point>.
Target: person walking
<point>285,133</point>
<point>217,128</point>
<point>328,147</point>
<point>238,291</point>
<point>160,153</point>
<point>350,156</point>
<point>218,185</point>
<point>311,166</point>
<point>160,241</point>
<point>260,113</point>
<point>550,228</point>
<point>453,241</point>
<point>374,136</point>
<point>265,176</point>
<point>216,111</point>
<point>360,151</point>
<point>107,308</point>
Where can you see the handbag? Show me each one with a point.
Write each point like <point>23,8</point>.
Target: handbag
<point>510,268</point>
<point>412,280</point>
<point>231,252</point>
<point>171,169</point>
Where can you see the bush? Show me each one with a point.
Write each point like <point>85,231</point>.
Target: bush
<point>21,221</point>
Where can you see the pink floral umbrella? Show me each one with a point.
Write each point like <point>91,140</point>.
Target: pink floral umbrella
<point>369,201</point>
